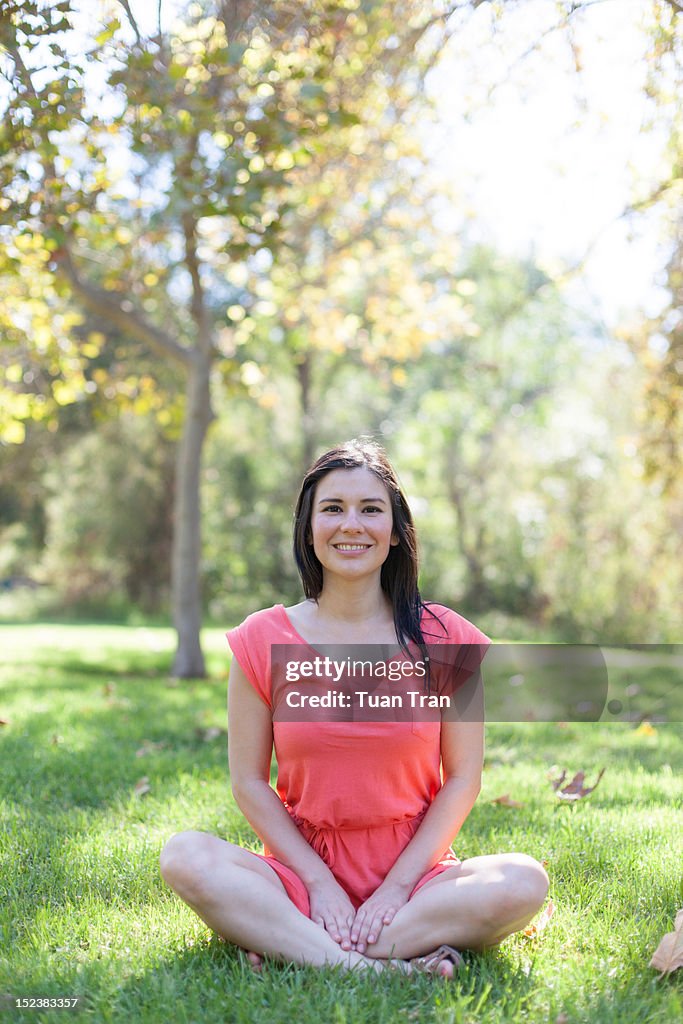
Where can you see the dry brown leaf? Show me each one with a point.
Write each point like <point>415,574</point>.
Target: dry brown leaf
<point>4,721</point>
<point>210,734</point>
<point>149,747</point>
<point>142,787</point>
<point>561,1018</point>
<point>534,929</point>
<point>506,801</point>
<point>668,955</point>
<point>575,790</point>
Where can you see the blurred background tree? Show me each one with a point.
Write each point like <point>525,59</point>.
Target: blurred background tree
<point>224,249</point>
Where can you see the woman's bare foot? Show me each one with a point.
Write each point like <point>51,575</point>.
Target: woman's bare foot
<point>255,961</point>
<point>444,962</point>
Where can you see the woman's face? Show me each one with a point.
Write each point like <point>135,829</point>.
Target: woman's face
<point>352,525</point>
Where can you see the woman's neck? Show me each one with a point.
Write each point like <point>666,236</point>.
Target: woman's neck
<point>354,602</point>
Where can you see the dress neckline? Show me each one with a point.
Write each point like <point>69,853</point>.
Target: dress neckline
<point>283,612</point>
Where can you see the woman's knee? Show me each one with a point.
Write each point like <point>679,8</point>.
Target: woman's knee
<point>185,861</point>
<point>525,885</point>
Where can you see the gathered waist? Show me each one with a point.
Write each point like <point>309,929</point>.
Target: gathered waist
<point>324,839</point>
<point>306,824</point>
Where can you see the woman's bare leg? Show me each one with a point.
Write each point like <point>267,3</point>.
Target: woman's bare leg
<point>472,906</point>
<point>242,899</point>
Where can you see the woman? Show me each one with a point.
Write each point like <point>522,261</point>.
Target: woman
<point>357,868</point>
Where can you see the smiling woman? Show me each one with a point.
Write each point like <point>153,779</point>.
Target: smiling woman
<point>357,865</point>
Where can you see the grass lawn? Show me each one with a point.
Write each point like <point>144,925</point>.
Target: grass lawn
<point>83,911</point>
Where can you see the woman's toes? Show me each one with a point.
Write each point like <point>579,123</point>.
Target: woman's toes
<point>445,969</point>
<point>255,960</point>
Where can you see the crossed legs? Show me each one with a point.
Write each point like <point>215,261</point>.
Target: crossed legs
<point>471,906</point>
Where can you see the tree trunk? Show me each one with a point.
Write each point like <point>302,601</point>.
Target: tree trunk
<point>185,572</point>
<point>303,372</point>
<point>476,583</point>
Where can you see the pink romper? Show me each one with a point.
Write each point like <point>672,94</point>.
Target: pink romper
<point>357,791</point>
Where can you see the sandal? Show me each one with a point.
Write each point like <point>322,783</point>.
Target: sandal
<point>430,962</point>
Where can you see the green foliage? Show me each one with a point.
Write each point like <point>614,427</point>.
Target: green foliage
<point>248,185</point>
<point>109,517</point>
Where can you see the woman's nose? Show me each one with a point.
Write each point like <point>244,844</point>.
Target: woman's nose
<point>351,521</point>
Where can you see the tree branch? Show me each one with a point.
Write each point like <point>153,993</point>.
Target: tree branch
<point>112,307</point>
<point>198,306</point>
<point>131,19</point>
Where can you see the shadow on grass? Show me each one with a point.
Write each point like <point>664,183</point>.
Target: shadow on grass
<point>119,664</point>
<point>212,982</point>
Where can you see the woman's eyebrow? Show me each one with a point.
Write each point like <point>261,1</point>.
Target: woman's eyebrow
<point>375,501</point>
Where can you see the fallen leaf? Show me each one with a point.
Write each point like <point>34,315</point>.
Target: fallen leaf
<point>668,955</point>
<point>506,801</point>
<point>149,747</point>
<point>210,734</point>
<point>561,1018</point>
<point>534,929</point>
<point>142,787</point>
<point>646,729</point>
<point>556,783</point>
<point>575,790</point>
<point>4,721</point>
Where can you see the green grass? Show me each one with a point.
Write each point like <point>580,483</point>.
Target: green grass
<point>83,910</point>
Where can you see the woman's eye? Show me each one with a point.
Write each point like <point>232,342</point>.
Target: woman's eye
<point>331,508</point>
<point>372,508</point>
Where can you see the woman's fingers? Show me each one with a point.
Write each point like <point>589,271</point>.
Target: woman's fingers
<point>337,926</point>
<point>368,925</point>
<point>357,925</point>
<point>376,926</point>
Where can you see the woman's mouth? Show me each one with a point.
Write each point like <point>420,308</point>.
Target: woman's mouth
<point>351,547</point>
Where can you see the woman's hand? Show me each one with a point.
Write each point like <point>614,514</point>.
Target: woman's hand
<point>378,910</point>
<point>332,909</point>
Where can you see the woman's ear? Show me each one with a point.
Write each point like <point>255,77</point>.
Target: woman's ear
<point>394,539</point>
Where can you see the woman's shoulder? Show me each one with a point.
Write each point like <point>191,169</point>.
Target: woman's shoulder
<point>441,624</point>
<point>265,621</point>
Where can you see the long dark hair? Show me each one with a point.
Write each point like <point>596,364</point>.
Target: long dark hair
<point>400,570</point>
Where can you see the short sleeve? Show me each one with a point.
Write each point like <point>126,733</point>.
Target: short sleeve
<point>450,627</point>
<point>250,644</point>
<point>457,647</point>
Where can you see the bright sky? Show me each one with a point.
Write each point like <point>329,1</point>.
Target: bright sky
<point>551,158</point>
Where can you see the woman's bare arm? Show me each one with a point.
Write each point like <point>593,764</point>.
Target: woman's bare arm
<point>462,755</point>
<point>250,747</point>
<point>250,751</point>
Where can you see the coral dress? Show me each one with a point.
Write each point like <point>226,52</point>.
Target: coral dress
<point>356,790</point>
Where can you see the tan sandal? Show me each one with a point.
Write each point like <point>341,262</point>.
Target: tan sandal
<point>430,962</point>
